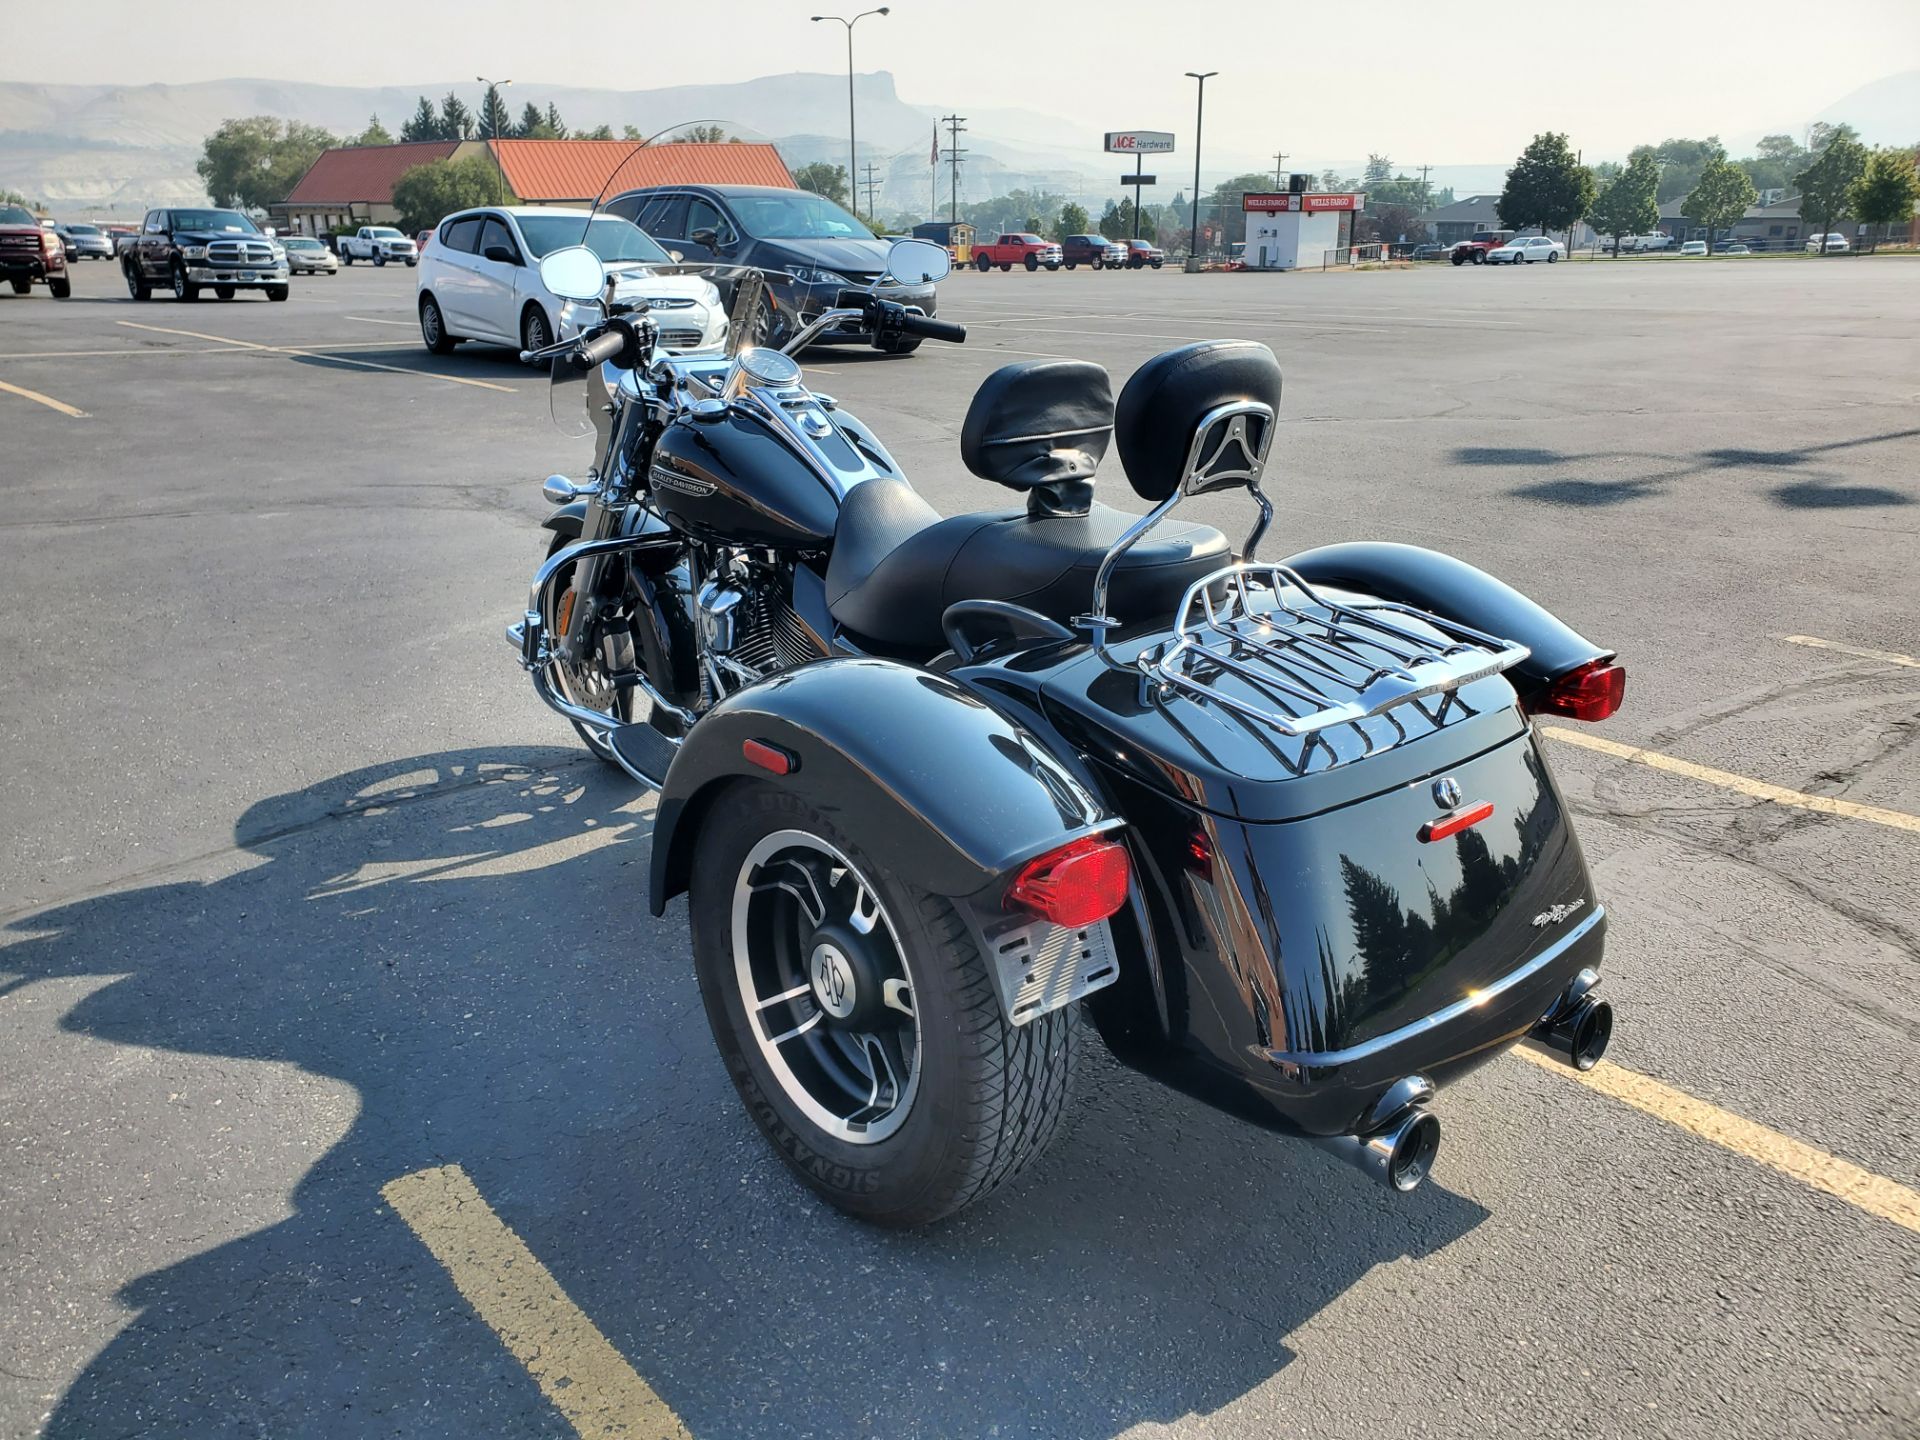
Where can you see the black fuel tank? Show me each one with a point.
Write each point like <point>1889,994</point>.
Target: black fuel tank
<point>732,481</point>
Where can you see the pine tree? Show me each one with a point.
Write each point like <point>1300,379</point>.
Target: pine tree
<point>456,120</point>
<point>425,124</point>
<point>533,125</point>
<point>495,120</point>
<point>555,123</point>
<point>374,134</point>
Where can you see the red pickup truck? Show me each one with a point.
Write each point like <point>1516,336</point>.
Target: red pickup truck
<point>1473,250</point>
<point>1017,249</point>
<point>29,253</point>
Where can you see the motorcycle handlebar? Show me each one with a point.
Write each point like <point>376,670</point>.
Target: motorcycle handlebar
<point>933,329</point>
<point>597,351</point>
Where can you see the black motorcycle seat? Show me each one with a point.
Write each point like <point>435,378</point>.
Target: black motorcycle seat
<point>897,565</point>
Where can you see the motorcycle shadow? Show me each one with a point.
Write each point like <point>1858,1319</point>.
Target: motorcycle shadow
<point>462,940</point>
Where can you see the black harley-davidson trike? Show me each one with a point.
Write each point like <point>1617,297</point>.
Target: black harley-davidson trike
<point>943,789</point>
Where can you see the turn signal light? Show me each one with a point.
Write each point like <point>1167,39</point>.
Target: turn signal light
<point>1082,882</point>
<point>1591,692</point>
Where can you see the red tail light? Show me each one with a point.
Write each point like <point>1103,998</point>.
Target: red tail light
<point>1452,823</point>
<point>1082,882</point>
<point>1592,692</point>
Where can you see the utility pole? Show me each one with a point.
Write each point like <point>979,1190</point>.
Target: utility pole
<point>955,125</point>
<point>1279,165</point>
<point>871,185</point>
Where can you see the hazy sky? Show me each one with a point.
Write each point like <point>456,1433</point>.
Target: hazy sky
<point>1421,80</point>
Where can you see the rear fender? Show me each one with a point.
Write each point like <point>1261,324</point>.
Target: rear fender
<point>1458,591</point>
<point>952,793</point>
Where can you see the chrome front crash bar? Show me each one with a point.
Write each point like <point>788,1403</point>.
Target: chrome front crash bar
<point>530,637</point>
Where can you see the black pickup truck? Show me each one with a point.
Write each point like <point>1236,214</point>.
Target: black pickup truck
<point>29,253</point>
<point>188,250</point>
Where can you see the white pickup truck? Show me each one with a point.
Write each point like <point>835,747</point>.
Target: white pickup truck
<point>378,243</point>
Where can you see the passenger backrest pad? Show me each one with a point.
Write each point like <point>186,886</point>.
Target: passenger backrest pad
<point>1164,402</point>
<point>1040,423</point>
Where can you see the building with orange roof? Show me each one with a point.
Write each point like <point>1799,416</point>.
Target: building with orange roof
<point>352,185</point>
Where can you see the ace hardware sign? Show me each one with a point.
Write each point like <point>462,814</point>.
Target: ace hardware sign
<point>1139,142</point>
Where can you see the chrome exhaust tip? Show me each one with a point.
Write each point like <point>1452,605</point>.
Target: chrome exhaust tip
<point>1400,1140</point>
<point>1578,1029</point>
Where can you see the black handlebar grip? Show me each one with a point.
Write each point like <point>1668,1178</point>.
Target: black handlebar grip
<point>597,351</point>
<point>933,329</point>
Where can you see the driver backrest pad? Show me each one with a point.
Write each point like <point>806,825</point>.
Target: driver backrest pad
<point>1041,426</point>
<point>1162,405</point>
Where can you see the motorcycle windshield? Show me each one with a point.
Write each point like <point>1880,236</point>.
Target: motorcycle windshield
<point>569,398</point>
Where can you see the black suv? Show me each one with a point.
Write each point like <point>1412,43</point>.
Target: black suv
<point>186,250</point>
<point>811,248</point>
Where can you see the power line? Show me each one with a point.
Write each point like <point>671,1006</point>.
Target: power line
<point>1279,164</point>
<point>871,185</point>
<point>955,124</point>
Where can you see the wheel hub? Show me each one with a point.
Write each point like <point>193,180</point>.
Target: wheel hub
<point>834,988</point>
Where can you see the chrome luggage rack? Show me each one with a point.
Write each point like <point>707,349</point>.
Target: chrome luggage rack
<point>1298,651</point>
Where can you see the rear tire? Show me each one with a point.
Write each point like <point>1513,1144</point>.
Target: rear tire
<point>980,1099</point>
<point>535,333</point>
<point>346,259</point>
<point>1553,257</point>
<point>433,327</point>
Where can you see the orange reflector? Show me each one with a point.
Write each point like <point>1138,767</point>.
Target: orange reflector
<point>769,757</point>
<point>1454,821</point>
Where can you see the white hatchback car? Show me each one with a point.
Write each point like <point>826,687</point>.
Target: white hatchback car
<point>480,280</point>
<point>1526,250</point>
<point>1833,244</point>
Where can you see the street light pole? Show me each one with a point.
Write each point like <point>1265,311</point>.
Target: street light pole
<point>853,150</point>
<point>1199,114</point>
<point>499,170</point>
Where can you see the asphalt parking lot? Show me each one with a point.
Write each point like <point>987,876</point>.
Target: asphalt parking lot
<point>306,898</point>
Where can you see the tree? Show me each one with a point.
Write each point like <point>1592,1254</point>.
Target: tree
<point>631,132</point>
<point>555,124</point>
<point>1628,206</point>
<point>1073,219</point>
<point>426,194</point>
<point>1546,187</point>
<point>1887,190</point>
<point>823,178</point>
<point>1826,185</point>
<point>533,124</point>
<point>374,134</point>
<point>425,124</point>
<point>599,132</point>
<point>705,135</point>
<point>496,121</point>
<point>1378,172</point>
<point>253,163</point>
<point>14,197</point>
<point>456,120</point>
<point>1720,196</point>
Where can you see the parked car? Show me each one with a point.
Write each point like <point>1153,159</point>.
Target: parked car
<point>1652,244</point>
<point>1737,248</point>
<point>190,249</point>
<point>1427,252</point>
<point>307,256</point>
<point>84,242</point>
<point>1830,244</point>
<point>1017,248</point>
<point>815,244</point>
<point>1694,247</point>
<point>420,239</point>
<point>378,243</point>
<point>1526,250</point>
<point>28,252</point>
<point>1142,254</point>
<point>1094,250</point>
<point>480,280</point>
<point>1474,249</point>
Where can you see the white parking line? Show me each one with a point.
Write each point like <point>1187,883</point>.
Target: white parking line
<point>372,320</point>
<point>1888,657</point>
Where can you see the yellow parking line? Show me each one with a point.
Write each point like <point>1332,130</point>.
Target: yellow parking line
<point>1758,789</point>
<point>1888,656</point>
<point>46,400</point>
<point>1810,1165</point>
<point>575,1366</point>
<point>320,355</point>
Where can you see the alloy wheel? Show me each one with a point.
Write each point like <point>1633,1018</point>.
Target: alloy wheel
<point>824,984</point>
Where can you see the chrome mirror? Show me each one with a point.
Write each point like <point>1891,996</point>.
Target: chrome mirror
<point>573,273</point>
<point>918,262</point>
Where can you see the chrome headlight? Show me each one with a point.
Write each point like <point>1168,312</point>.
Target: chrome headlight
<point>193,252</point>
<point>808,275</point>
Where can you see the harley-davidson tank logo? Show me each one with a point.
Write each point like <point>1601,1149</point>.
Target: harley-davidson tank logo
<point>1556,914</point>
<point>665,479</point>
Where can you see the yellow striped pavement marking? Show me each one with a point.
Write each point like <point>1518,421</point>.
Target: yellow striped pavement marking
<point>46,400</point>
<point>319,355</point>
<point>1888,656</point>
<point>1744,785</point>
<point>1810,1165</point>
<point>575,1366</point>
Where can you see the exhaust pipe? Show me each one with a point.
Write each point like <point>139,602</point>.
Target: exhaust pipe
<point>1397,1142</point>
<point>1578,1027</point>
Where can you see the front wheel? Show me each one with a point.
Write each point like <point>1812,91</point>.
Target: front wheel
<point>1031,264</point>
<point>858,1020</point>
<point>278,293</point>
<point>1479,257</point>
<point>379,260</point>
<point>183,289</point>
<point>346,259</point>
<point>60,289</point>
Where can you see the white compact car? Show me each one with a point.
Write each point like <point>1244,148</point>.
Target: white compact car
<point>1833,244</point>
<point>307,256</point>
<point>1526,250</point>
<point>480,280</point>
<point>1694,247</point>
